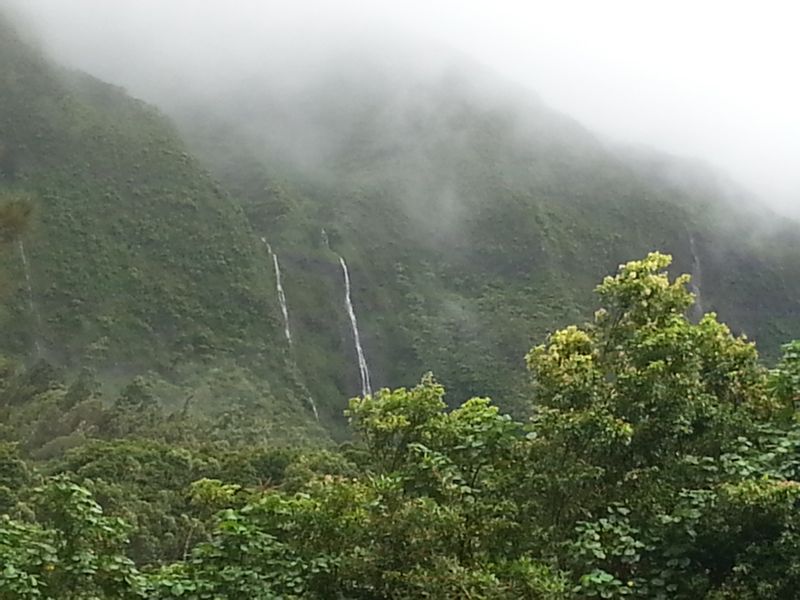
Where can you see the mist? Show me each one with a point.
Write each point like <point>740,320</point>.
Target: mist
<point>712,81</point>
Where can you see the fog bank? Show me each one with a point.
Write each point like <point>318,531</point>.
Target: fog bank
<point>713,80</point>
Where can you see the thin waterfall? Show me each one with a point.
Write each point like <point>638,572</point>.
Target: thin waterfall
<point>697,280</point>
<point>363,369</point>
<point>281,295</point>
<point>285,311</point>
<point>313,406</point>
<point>282,299</point>
<point>325,241</point>
<point>31,305</point>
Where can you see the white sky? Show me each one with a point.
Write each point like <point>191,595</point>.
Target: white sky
<point>709,79</point>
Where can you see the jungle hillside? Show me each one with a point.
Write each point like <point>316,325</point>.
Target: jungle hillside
<point>375,321</point>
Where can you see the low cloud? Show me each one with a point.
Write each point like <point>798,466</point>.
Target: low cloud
<point>713,80</point>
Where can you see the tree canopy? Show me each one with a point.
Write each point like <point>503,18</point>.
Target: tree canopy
<point>659,460</point>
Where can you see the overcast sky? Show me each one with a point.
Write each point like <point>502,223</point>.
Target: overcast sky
<point>712,79</point>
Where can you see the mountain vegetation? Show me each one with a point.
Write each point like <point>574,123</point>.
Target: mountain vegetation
<point>473,218</point>
<point>135,262</point>
<point>184,301</point>
<point>659,462</point>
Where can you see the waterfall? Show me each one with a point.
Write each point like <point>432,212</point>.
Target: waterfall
<point>363,369</point>
<point>697,280</point>
<point>282,299</point>
<point>281,295</point>
<point>29,288</point>
<point>285,311</point>
<point>313,406</point>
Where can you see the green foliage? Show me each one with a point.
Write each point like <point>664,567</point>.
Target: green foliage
<point>160,450</point>
<point>659,423</point>
<point>660,462</point>
<point>641,387</point>
<point>14,475</point>
<point>240,561</point>
<point>392,421</point>
<point>15,213</point>
<point>785,379</point>
<point>71,551</point>
<point>137,262</point>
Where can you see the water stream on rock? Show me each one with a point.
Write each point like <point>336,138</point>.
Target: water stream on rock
<point>281,294</point>
<point>287,332</point>
<point>363,369</point>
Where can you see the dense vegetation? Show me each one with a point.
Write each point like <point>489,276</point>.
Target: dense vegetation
<point>659,462</point>
<point>157,438</point>
<point>474,219</point>
<point>473,223</point>
<point>139,263</point>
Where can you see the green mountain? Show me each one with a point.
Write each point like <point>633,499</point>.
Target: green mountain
<point>474,220</point>
<point>136,260</point>
<point>168,341</point>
